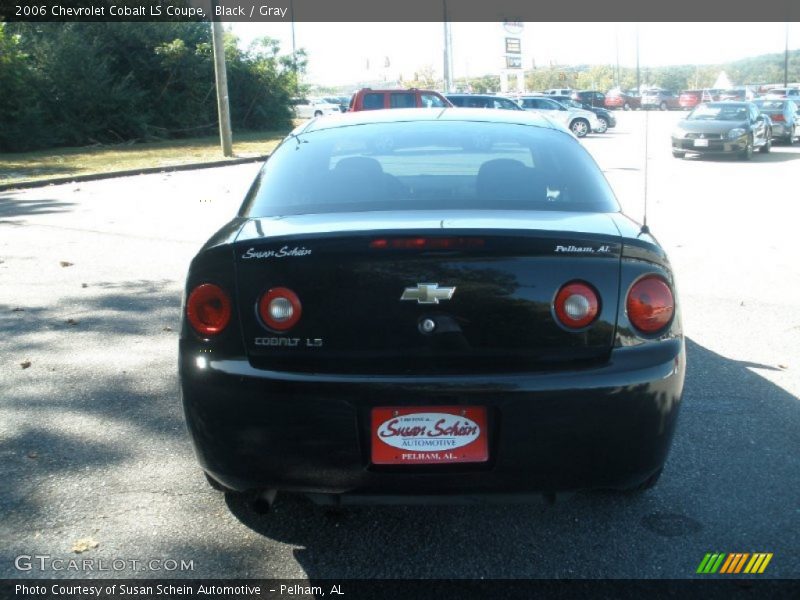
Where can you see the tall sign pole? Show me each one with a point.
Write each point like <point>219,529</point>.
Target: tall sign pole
<point>512,56</point>
<point>221,78</point>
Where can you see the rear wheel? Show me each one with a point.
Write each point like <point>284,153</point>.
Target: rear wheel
<point>663,106</point>
<point>626,106</point>
<point>603,125</point>
<point>580,127</point>
<point>317,113</point>
<point>767,146</point>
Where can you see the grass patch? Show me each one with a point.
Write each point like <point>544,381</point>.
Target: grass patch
<point>69,162</point>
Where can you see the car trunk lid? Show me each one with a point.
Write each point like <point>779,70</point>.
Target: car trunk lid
<point>368,281</point>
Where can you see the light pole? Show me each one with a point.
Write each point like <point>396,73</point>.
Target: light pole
<point>638,82</point>
<point>294,51</point>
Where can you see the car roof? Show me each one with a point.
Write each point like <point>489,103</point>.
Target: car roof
<point>729,103</point>
<point>468,95</point>
<point>405,115</point>
<point>396,90</point>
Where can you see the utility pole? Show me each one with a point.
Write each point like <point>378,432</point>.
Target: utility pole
<point>448,62</point>
<point>617,73</point>
<point>786,59</point>
<point>221,78</point>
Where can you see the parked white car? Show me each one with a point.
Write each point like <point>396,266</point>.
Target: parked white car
<point>307,108</point>
<point>559,92</point>
<point>578,121</point>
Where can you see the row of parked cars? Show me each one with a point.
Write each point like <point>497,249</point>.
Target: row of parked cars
<point>720,122</point>
<point>663,99</point>
<point>579,117</point>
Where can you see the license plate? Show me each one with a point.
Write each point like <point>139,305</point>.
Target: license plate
<point>426,435</point>
<point>701,143</point>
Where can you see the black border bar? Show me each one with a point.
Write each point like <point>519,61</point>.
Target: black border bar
<point>402,10</point>
<point>729,588</point>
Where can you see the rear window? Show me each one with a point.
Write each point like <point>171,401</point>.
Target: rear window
<point>770,104</point>
<point>431,165</point>
<point>431,101</point>
<point>398,100</point>
<point>372,101</point>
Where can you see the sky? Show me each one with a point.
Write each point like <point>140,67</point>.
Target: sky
<point>339,52</point>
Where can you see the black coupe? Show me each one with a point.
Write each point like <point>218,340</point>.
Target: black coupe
<point>427,303</point>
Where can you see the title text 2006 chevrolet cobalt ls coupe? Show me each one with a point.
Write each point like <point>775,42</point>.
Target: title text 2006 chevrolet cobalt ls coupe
<point>423,303</point>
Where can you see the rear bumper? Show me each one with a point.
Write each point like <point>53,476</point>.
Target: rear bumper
<point>780,130</point>
<point>605,427</point>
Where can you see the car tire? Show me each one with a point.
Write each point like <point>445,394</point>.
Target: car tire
<point>580,127</point>
<point>767,146</point>
<point>603,125</point>
<point>647,484</point>
<point>317,113</point>
<point>626,106</point>
<point>747,153</point>
<point>678,154</point>
<point>663,106</point>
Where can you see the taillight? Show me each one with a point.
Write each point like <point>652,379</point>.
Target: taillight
<point>576,305</point>
<point>208,309</point>
<point>280,309</point>
<point>650,304</point>
<point>777,117</point>
<point>426,243</point>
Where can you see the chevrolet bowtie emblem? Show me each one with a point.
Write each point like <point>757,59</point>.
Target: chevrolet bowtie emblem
<point>428,293</point>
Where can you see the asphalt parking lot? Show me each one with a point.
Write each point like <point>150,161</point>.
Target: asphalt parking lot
<point>93,445</point>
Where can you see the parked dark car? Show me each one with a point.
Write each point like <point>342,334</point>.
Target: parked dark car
<point>591,98</point>
<point>369,99</point>
<point>377,325</point>
<point>482,101</point>
<point>784,117</point>
<point>725,127</point>
<point>617,99</point>
<point>660,99</point>
<point>604,117</point>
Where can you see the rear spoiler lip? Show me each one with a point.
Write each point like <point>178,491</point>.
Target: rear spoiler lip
<point>299,226</point>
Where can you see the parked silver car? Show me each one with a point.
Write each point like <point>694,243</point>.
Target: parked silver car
<point>307,108</point>
<point>784,116</point>
<point>578,121</point>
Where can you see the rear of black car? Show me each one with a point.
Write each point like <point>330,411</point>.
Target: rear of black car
<point>426,307</point>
